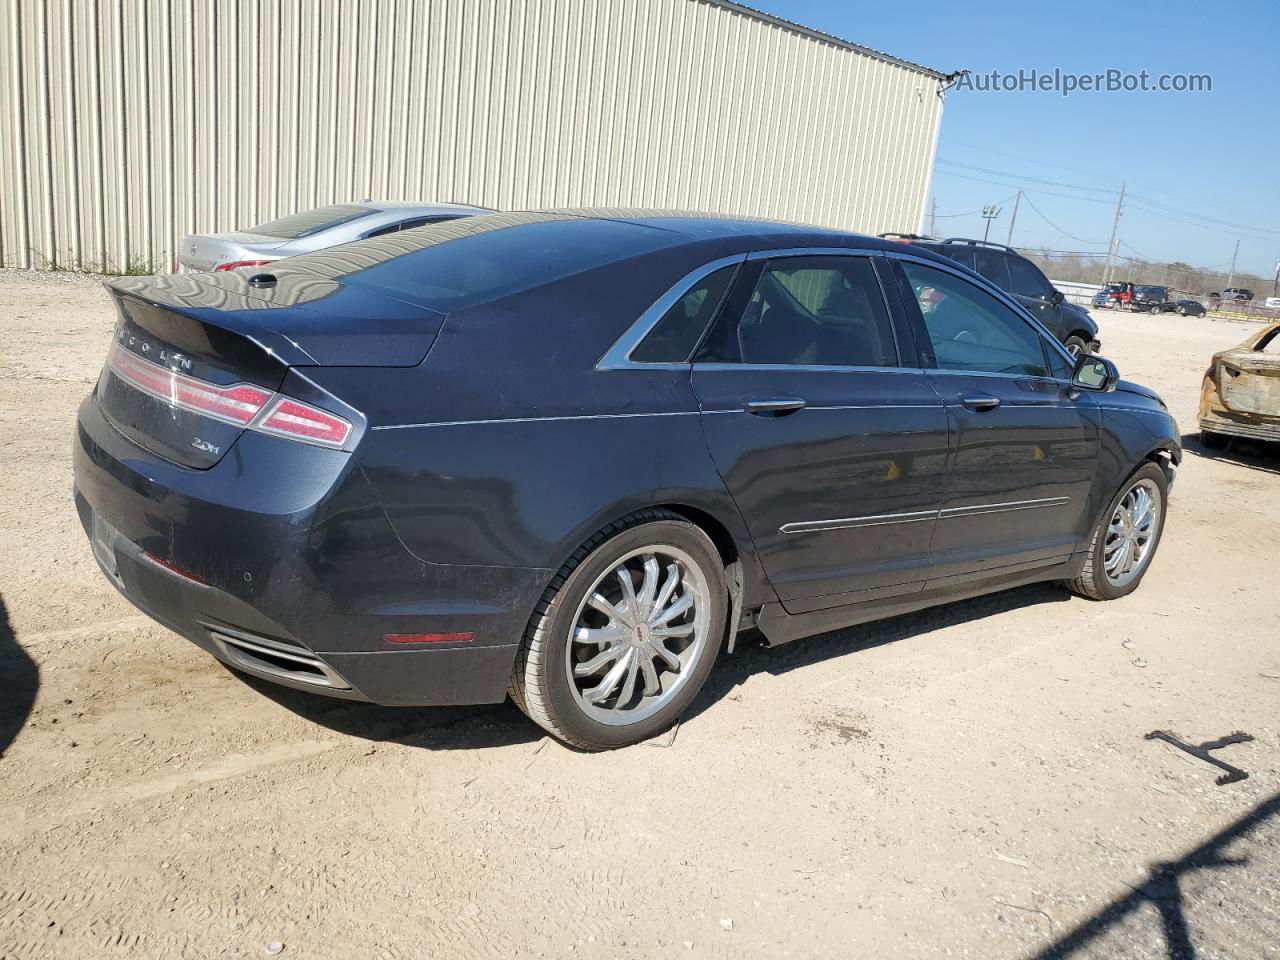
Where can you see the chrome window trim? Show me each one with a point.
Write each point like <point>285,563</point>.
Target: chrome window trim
<point>618,357</point>
<point>815,252</point>
<point>880,520</point>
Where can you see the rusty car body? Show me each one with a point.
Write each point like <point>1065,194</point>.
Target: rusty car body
<point>1240,396</point>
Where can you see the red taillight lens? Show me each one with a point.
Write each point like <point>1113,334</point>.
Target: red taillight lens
<point>301,421</point>
<point>238,403</point>
<point>235,265</point>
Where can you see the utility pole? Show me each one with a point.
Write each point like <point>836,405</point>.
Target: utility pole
<point>1115,227</point>
<point>1231,280</point>
<point>989,213</point>
<point>933,218</point>
<point>1275,284</point>
<point>1013,219</point>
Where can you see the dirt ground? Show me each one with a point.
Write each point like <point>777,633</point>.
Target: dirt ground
<point>970,781</point>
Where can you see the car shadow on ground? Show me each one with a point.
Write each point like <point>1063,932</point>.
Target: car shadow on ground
<point>1162,890</point>
<point>19,681</point>
<point>499,725</point>
<point>431,728</point>
<point>1251,454</point>
<point>752,656</point>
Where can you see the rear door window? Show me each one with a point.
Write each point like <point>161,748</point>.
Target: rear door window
<point>1027,281</point>
<point>993,265</point>
<point>811,311</point>
<point>304,224</point>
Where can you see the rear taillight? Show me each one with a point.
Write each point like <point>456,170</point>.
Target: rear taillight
<point>242,404</point>
<point>238,403</point>
<point>241,263</point>
<point>301,421</point>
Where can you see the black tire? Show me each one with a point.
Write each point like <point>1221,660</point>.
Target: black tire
<point>1093,582</point>
<point>539,682</point>
<point>1182,311</point>
<point>1077,345</point>
<point>1213,441</point>
<point>1155,309</point>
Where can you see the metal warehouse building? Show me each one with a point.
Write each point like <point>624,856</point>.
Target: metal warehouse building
<point>125,124</point>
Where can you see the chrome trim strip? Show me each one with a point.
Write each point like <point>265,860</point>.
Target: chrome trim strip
<point>984,508</point>
<point>618,357</point>
<point>844,523</point>
<point>240,649</point>
<point>815,252</point>
<point>581,416</point>
<point>885,519</point>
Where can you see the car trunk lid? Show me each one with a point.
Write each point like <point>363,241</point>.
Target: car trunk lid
<point>194,363</point>
<point>207,251</point>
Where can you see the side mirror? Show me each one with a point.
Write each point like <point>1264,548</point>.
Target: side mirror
<point>1056,297</point>
<point>1094,373</point>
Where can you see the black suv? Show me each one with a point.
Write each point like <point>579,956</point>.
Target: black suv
<point>1019,277</point>
<point>1152,299</point>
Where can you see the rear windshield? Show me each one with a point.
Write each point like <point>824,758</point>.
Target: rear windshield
<point>304,224</point>
<point>460,272</point>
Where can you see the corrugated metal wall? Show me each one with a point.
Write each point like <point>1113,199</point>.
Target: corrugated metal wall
<point>125,124</point>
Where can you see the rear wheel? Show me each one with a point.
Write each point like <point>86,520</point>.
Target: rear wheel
<point>626,634</point>
<point>1155,309</point>
<point>1126,537</point>
<point>1182,311</point>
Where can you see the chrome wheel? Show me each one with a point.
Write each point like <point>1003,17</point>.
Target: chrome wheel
<point>1131,535</point>
<point>636,636</point>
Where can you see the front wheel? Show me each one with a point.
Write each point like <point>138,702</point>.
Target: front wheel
<point>625,636</point>
<point>1126,537</point>
<point>1076,346</point>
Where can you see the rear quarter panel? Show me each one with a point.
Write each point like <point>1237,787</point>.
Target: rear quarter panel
<point>508,447</point>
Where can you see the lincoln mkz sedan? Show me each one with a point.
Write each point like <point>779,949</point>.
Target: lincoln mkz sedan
<point>569,455</point>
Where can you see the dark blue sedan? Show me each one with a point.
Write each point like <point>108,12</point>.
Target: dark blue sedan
<point>569,456</point>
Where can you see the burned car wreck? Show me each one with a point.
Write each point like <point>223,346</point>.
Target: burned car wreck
<point>1240,396</point>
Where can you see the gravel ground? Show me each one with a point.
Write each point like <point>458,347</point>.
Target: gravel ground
<point>971,780</point>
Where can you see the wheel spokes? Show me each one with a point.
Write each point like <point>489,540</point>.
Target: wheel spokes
<point>611,679</point>
<point>598,662</point>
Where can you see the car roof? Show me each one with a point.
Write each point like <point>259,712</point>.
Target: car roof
<point>410,206</point>
<point>741,231</point>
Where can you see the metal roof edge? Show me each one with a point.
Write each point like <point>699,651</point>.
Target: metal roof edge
<point>801,29</point>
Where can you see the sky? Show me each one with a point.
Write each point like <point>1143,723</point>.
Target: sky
<point>1201,169</point>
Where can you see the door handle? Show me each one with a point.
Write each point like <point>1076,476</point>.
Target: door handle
<point>774,406</point>
<point>980,404</point>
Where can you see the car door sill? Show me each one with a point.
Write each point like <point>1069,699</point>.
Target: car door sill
<point>779,626</point>
<point>851,597</point>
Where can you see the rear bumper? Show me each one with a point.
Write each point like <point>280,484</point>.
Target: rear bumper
<point>1240,428</point>
<point>298,581</point>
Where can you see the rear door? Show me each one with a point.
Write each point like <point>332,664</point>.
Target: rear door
<point>824,428</point>
<point>1024,444</point>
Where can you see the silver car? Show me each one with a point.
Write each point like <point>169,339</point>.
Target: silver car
<point>310,230</point>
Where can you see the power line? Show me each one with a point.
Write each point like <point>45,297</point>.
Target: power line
<point>1058,228</point>
<point>1017,176</point>
<point>1199,216</point>
<point>1043,193</point>
<point>1205,226</point>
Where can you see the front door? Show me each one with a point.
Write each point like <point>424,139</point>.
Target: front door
<point>824,428</point>
<point>1024,444</point>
